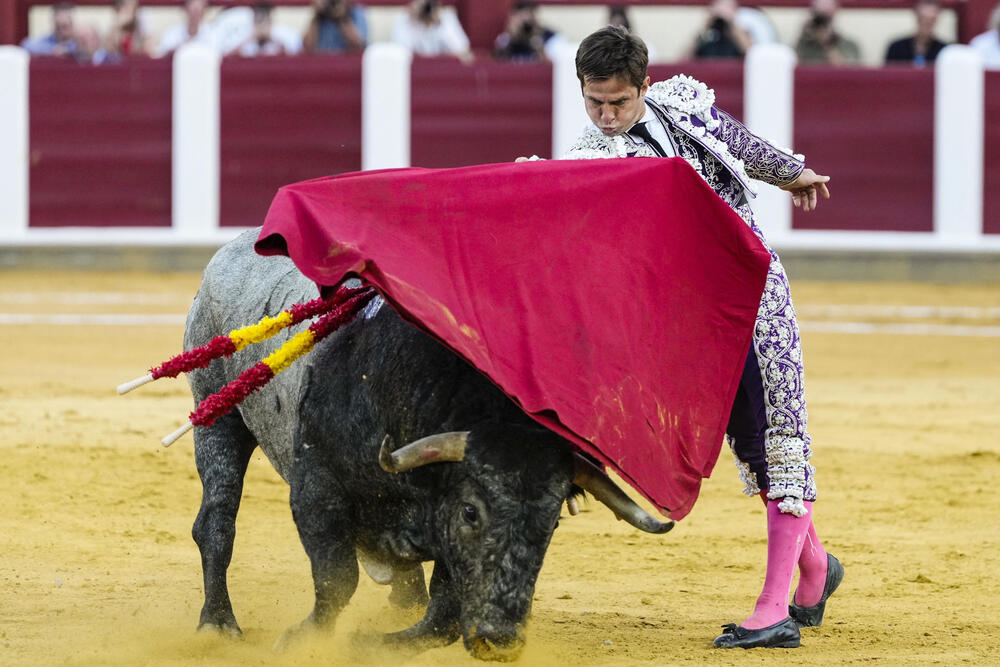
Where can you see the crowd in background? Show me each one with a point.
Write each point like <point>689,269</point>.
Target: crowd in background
<point>428,29</point>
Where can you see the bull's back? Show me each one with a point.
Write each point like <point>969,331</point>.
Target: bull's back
<point>238,288</point>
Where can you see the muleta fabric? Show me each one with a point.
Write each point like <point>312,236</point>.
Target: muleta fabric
<point>728,156</point>
<point>523,270</point>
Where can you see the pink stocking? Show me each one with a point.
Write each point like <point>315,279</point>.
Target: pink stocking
<point>785,537</point>
<point>812,570</point>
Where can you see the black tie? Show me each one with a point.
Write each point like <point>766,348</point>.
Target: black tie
<point>639,131</point>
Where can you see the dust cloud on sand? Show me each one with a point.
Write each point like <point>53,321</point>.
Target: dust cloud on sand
<point>98,565</point>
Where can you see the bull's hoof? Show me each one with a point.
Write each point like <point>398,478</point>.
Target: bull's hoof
<point>219,618</point>
<point>228,629</point>
<point>295,634</point>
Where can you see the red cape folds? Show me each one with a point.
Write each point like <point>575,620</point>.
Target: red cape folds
<point>613,300</point>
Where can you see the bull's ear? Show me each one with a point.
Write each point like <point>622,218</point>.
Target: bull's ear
<point>432,449</point>
<point>591,478</point>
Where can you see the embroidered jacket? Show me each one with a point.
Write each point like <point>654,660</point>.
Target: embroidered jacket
<point>720,148</point>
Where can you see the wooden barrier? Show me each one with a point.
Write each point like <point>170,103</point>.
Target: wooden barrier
<point>991,162</point>
<point>99,150</point>
<point>284,120</point>
<point>101,155</point>
<point>873,131</point>
<point>487,112</point>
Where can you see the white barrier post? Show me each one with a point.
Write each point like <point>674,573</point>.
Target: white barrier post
<point>768,111</point>
<point>385,107</point>
<point>958,144</point>
<point>195,164</point>
<point>569,116</point>
<point>13,142</point>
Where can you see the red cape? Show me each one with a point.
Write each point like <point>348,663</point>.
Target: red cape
<point>613,300</point>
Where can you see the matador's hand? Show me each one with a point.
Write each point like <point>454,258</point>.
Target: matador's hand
<point>806,189</point>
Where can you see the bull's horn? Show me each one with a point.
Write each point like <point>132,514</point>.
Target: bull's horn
<point>591,478</point>
<point>432,449</point>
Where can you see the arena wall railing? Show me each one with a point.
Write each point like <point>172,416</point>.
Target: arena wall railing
<point>190,150</point>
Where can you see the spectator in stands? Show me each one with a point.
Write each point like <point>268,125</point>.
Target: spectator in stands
<point>525,39</point>
<point>923,47</point>
<point>89,50</point>
<point>336,26</point>
<point>821,43</point>
<point>618,15</point>
<point>194,29</point>
<point>427,30</point>
<point>988,43</point>
<point>62,40</point>
<point>721,36</point>
<point>269,39</point>
<point>128,36</point>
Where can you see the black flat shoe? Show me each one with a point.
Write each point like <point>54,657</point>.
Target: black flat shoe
<point>780,635</point>
<point>812,616</point>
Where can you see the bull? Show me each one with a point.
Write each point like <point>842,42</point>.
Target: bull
<point>397,452</point>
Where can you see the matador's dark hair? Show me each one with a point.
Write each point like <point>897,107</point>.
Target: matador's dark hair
<point>612,52</point>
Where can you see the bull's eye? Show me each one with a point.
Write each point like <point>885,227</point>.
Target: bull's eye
<point>470,514</point>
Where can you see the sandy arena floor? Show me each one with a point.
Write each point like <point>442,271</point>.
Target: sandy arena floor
<point>98,565</point>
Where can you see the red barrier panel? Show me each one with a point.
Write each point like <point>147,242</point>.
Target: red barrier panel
<point>724,77</point>
<point>991,161</point>
<point>99,144</point>
<point>872,132</point>
<point>100,136</point>
<point>479,113</point>
<point>284,120</point>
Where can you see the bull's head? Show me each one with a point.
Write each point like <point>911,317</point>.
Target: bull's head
<point>496,519</point>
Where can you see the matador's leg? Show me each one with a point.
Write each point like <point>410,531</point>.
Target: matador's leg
<point>767,430</point>
<point>777,346</point>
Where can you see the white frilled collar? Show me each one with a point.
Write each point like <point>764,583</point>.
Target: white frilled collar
<point>686,95</point>
<point>682,98</point>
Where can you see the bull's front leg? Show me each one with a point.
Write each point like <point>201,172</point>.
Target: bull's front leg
<point>222,452</point>
<point>322,521</point>
<point>408,587</point>
<point>439,626</point>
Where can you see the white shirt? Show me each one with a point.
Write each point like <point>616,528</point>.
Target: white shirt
<point>444,38</point>
<point>988,46</point>
<point>655,128</point>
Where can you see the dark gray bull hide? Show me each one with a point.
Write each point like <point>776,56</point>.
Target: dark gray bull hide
<point>478,491</point>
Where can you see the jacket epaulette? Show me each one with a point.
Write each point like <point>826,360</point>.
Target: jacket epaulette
<point>687,95</point>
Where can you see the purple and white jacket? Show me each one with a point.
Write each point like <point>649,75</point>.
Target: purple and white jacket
<point>720,148</point>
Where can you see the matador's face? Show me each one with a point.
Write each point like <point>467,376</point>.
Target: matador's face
<point>614,105</point>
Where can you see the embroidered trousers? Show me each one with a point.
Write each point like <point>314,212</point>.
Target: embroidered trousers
<point>767,426</point>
